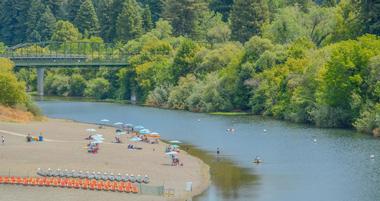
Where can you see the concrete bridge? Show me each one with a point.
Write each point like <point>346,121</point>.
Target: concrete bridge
<point>44,55</point>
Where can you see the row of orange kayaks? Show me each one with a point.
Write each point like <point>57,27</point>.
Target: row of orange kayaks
<point>84,184</point>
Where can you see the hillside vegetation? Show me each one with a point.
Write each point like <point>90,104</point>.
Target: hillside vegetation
<point>306,61</point>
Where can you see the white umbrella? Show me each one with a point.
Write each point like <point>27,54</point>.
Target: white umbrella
<point>172,153</point>
<point>90,130</point>
<point>175,142</point>
<point>104,120</point>
<point>118,123</point>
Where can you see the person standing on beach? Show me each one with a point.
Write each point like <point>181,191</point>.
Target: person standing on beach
<point>2,140</point>
<point>217,151</point>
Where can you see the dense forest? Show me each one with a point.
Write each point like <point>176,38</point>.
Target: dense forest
<point>299,60</point>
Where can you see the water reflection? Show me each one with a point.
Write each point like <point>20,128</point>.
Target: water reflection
<point>226,176</point>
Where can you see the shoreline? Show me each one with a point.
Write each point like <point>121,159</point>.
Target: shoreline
<point>230,113</point>
<point>64,139</point>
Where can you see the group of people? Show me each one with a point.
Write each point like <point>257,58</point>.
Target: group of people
<point>30,138</point>
<point>93,148</point>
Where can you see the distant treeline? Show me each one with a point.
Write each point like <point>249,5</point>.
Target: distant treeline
<point>304,61</point>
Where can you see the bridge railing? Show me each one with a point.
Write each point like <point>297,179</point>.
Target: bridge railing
<point>66,51</point>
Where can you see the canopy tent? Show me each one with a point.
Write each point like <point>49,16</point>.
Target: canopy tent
<point>175,142</point>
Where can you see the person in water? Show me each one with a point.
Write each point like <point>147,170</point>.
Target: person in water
<point>257,160</point>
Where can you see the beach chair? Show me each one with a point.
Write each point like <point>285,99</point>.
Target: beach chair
<point>119,177</point>
<point>55,182</point>
<point>85,185</point>
<point>105,176</point>
<point>132,178</point>
<point>98,176</point>
<point>92,186</point>
<point>24,181</point>
<point>34,182</point>
<point>125,178</point>
<point>127,187</point>
<point>111,177</point>
<point>48,182</point>
<point>49,173</point>
<point>146,179</point>
<point>135,189</point>
<point>12,180</point>
<point>99,186</point>
<point>120,188</point>
<point>40,172</point>
<point>18,180</point>
<point>139,179</point>
<point>40,182</point>
<point>106,186</point>
<point>77,185</point>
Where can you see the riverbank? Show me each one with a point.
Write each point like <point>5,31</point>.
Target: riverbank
<point>64,148</point>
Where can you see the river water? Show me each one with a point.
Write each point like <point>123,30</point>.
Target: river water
<point>300,162</point>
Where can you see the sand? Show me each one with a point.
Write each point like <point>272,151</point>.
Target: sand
<point>65,148</point>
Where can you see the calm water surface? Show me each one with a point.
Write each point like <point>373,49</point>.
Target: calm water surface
<point>337,167</point>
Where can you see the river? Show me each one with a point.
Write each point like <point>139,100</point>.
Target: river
<point>300,162</point>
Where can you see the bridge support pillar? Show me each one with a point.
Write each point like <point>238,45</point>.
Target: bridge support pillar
<point>40,81</point>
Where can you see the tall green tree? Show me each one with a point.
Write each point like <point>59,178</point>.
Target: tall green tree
<point>370,16</point>
<point>37,8</point>
<point>56,7</point>
<point>13,15</point>
<point>223,7</point>
<point>147,19</point>
<point>105,15</point>
<point>185,16</point>
<point>46,25</point>
<point>156,8</point>
<point>86,19</point>
<point>129,22</point>
<point>73,8</point>
<point>247,18</point>
<point>65,31</point>
<point>184,60</point>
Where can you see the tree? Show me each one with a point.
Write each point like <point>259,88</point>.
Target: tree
<point>97,88</point>
<point>77,85</point>
<point>129,21</point>
<point>147,19</point>
<point>222,6</point>
<point>73,8</point>
<point>13,15</point>
<point>155,6</point>
<point>370,16</point>
<point>184,60</point>
<point>220,33</point>
<point>12,92</point>
<point>34,14</point>
<point>56,7</point>
<point>185,16</point>
<point>86,19</point>
<point>46,25</point>
<point>247,18</point>
<point>65,32</point>
<point>105,15</point>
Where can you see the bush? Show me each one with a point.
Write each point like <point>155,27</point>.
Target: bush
<point>77,85</point>
<point>369,119</point>
<point>159,96</point>
<point>97,88</point>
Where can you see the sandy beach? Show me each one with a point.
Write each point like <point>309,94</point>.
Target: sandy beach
<point>65,148</point>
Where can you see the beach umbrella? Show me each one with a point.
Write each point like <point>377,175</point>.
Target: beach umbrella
<point>121,133</point>
<point>175,142</point>
<point>104,120</point>
<point>118,123</point>
<point>128,125</point>
<point>137,128</point>
<point>145,131</point>
<point>90,130</point>
<point>135,139</point>
<point>172,153</point>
